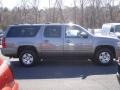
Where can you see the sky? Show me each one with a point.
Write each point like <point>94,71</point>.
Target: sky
<point>43,3</point>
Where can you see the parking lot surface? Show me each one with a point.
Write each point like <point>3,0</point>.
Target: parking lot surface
<point>65,75</point>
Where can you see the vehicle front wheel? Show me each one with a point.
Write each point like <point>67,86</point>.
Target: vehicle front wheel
<point>28,58</point>
<point>103,56</point>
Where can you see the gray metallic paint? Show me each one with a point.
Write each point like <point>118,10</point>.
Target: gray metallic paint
<point>59,46</point>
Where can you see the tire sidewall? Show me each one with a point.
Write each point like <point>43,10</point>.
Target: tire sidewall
<point>29,52</point>
<point>98,52</point>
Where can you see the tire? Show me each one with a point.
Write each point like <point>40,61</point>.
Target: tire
<point>28,58</point>
<point>103,56</point>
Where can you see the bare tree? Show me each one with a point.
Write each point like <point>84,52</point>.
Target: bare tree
<point>99,13</point>
<point>75,11</point>
<point>25,7</point>
<point>88,13</point>
<point>94,12</point>
<point>1,12</point>
<point>109,9</point>
<point>49,11</point>
<point>83,4</point>
<point>57,12</point>
<point>35,6</point>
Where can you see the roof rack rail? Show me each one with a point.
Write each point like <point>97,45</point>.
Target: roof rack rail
<point>48,23</point>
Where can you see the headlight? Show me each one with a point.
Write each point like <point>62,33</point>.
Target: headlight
<point>118,44</point>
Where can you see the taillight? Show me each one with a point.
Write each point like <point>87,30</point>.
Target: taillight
<point>3,43</point>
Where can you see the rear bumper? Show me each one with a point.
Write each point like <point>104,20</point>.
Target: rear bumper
<point>9,52</point>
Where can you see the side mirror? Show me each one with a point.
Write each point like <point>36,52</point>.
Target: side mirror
<point>84,34</point>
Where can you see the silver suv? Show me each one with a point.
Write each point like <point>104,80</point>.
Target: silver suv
<point>30,42</point>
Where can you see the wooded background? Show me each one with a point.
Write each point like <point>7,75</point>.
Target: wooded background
<point>87,13</point>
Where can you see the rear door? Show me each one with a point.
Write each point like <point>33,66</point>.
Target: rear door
<point>52,40</point>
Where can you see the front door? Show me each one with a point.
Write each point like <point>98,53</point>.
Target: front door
<point>76,43</point>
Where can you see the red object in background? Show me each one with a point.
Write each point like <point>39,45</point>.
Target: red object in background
<point>1,61</point>
<point>3,42</point>
<point>7,81</point>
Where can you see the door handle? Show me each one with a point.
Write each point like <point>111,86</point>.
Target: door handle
<point>68,41</point>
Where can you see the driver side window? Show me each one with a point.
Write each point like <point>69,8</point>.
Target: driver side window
<point>73,32</point>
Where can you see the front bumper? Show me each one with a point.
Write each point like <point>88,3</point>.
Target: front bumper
<point>118,69</point>
<point>117,52</point>
<point>118,75</point>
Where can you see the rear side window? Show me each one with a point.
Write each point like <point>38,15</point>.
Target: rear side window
<point>52,31</point>
<point>23,31</point>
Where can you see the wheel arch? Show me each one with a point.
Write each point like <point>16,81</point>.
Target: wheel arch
<point>106,46</point>
<point>25,47</point>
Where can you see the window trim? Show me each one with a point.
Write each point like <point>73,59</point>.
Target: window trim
<point>10,36</point>
<point>54,36</point>
<point>71,36</point>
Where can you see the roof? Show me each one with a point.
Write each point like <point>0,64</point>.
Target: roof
<point>111,24</point>
<point>41,24</point>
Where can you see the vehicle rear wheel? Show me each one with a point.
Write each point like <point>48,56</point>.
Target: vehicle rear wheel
<point>28,58</point>
<point>103,56</point>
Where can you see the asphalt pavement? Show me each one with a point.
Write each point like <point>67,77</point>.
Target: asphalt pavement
<point>65,75</point>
